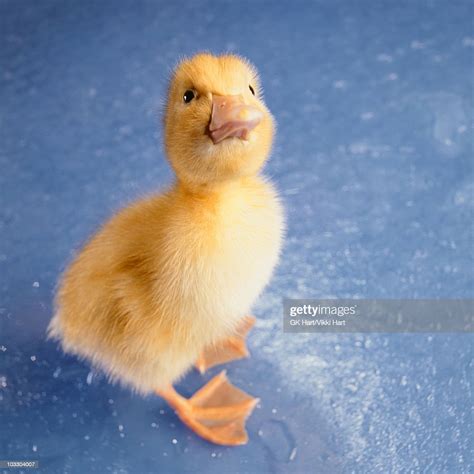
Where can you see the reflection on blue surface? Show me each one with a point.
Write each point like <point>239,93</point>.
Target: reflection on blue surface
<point>374,160</point>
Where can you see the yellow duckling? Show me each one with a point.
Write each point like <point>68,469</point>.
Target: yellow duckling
<point>168,281</point>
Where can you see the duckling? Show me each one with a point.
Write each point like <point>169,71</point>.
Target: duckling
<point>168,282</point>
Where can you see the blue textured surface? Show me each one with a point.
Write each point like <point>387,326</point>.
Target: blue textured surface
<point>374,160</point>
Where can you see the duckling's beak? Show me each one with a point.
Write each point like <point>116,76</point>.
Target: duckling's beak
<point>232,117</point>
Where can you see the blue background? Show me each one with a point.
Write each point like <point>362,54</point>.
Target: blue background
<point>373,158</point>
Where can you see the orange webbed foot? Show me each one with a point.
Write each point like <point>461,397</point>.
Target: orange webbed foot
<point>233,348</point>
<point>217,412</point>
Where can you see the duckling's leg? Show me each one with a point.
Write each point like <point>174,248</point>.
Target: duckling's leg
<point>217,412</point>
<point>232,348</point>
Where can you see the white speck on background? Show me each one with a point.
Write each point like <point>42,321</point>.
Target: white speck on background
<point>352,387</point>
<point>36,284</point>
<point>465,195</point>
<point>125,130</point>
<point>34,448</point>
<point>3,348</point>
<point>33,358</point>
<point>137,90</point>
<point>57,372</point>
<point>448,114</point>
<point>416,44</point>
<point>89,378</point>
<point>3,381</point>
<point>339,84</point>
<point>174,441</point>
<point>293,454</point>
<point>358,148</point>
<point>120,427</point>
<point>384,58</point>
<point>468,41</point>
<point>87,437</point>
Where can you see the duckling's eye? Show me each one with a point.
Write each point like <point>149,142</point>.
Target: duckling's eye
<point>251,90</point>
<point>188,96</point>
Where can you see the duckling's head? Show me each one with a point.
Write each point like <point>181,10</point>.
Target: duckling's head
<point>217,127</point>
